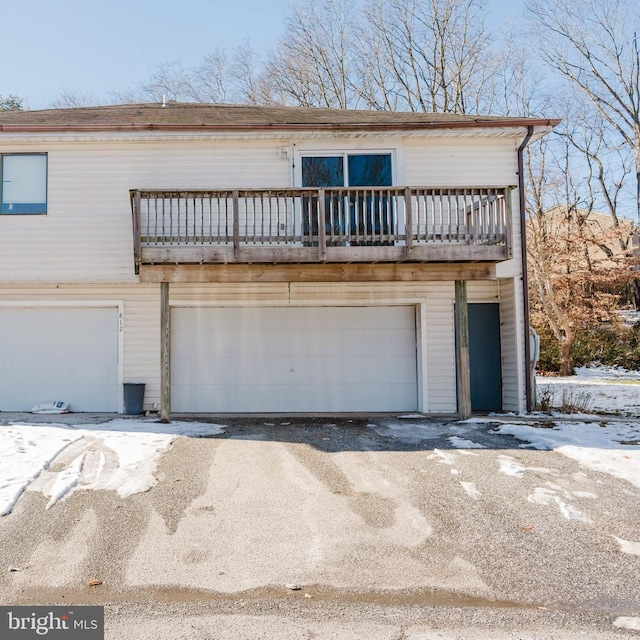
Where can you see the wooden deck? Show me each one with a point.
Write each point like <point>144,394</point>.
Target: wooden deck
<point>341,225</point>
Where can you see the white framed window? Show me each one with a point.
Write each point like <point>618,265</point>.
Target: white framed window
<point>24,183</point>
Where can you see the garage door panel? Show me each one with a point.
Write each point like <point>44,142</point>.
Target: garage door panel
<point>58,344</point>
<point>61,353</point>
<point>393,369</point>
<point>338,343</point>
<point>294,359</point>
<point>296,318</point>
<point>296,398</point>
<point>35,319</point>
<point>43,370</point>
<point>83,397</point>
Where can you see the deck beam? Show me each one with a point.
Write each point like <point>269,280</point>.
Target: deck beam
<point>224,273</point>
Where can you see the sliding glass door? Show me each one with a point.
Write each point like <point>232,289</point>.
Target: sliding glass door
<point>362,216</point>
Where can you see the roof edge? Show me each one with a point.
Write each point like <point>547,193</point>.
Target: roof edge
<point>473,124</point>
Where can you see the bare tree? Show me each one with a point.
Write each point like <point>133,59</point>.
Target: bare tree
<point>605,166</point>
<point>74,97</point>
<point>518,85</point>
<point>595,45</point>
<point>574,252</point>
<point>170,81</point>
<point>313,64</point>
<point>418,55</point>
<point>248,79</point>
<point>427,55</point>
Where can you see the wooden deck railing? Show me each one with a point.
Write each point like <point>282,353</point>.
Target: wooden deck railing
<point>322,225</point>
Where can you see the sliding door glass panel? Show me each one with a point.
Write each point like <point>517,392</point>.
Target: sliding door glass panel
<point>369,170</point>
<point>323,171</point>
<point>371,215</point>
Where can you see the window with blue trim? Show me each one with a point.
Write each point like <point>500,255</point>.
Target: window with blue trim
<point>24,183</point>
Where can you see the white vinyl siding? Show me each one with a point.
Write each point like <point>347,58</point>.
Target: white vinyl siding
<point>468,162</point>
<point>462,162</point>
<point>512,328</point>
<point>87,234</point>
<point>301,359</point>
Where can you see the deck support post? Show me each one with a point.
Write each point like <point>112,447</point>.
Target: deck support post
<point>463,376</point>
<point>165,353</point>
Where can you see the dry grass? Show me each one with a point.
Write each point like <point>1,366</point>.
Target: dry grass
<point>571,401</point>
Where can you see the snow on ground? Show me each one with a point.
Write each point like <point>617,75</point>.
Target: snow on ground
<point>596,388</point>
<point>612,447</point>
<point>58,459</point>
<point>463,443</point>
<point>629,317</point>
<point>410,432</point>
<point>632,624</point>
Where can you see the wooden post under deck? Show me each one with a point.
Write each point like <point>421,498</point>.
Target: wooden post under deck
<point>463,375</point>
<point>165,353</point>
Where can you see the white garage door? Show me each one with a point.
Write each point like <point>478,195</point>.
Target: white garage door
<point>52,354</point>
<point>292,359</point>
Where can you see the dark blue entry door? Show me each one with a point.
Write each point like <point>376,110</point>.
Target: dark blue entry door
<point>485,357</point>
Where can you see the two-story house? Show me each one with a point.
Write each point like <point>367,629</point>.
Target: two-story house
<point>263,259</point>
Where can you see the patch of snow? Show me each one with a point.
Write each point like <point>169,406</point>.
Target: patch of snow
<point>632,548</point>
<point>410,433</point>
<point>606,389</point>
<point>584,494</point>
<point>462,443</point>
<point>480,420</point>
<point>548,497</point>
<point>471,490</point>
<point>442,456</point>
<point>629,316</point>
<point>510,467</point>
<point>25,452</point>
<point>599,448</point>
<point>127,454</point>
<point>65,481</point>
<point>605,372</point>
<point>625,622</point>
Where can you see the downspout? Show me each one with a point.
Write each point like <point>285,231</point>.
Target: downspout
<point>525,276</point>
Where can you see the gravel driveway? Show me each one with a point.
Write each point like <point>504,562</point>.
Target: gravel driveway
<point>390,528</point>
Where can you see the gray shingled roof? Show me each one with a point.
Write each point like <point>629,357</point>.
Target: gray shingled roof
<point>189,116</point>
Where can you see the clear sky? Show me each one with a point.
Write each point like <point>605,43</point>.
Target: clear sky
<point>98,47</point>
